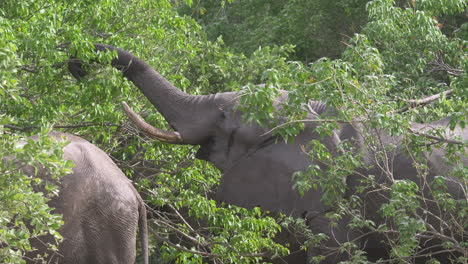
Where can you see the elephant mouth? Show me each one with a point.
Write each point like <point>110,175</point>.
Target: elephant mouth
<point>173,137</point>
<point>205,150</point>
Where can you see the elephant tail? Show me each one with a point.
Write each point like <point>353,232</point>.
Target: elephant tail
<point>143,230</point>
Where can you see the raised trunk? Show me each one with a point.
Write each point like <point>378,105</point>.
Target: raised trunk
<point>192,116</point>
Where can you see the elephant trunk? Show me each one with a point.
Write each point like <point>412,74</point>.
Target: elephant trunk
<point>191,116</point>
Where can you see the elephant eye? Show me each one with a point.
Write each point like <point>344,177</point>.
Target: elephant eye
<point>223,115</point>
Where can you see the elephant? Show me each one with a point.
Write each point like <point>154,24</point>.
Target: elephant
<point>101,210</point>
<point>256,166</point>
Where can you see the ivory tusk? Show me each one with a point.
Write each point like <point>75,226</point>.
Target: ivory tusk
<point>157,133</point>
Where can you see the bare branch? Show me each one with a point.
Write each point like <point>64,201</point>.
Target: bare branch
<point>439,65</point>
<point>429,99</point>
<point>424,101</point>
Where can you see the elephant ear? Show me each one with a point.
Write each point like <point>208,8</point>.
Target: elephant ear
<point>263,175</point>
<point>263,178</point>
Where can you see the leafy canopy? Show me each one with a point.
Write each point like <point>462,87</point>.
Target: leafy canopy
<point>407,50</point>
<point>37,38</point>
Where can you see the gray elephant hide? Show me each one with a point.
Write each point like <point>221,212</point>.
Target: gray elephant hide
<point>101,210</point>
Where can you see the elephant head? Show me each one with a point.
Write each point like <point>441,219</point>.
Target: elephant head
<point>257,168</point>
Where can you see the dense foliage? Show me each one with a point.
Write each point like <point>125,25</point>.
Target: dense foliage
<point>315,28</point>
<point>407,50</point>
<point>37,92</point>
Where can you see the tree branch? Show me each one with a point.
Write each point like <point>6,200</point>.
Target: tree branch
<point>29,69</point>
<point>166,240</point>
<point>440,139</point>
<point>426,100</point>
<point>429,99</point>
<point>440,65</point>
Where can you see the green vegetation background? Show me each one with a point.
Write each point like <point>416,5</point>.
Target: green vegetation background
<point>368,57</point>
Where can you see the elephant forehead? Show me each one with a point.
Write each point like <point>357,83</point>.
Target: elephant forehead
<point>264,179</point>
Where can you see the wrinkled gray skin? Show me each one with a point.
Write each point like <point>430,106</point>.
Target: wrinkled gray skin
<point>257,169</point>
<point>101,210</point>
